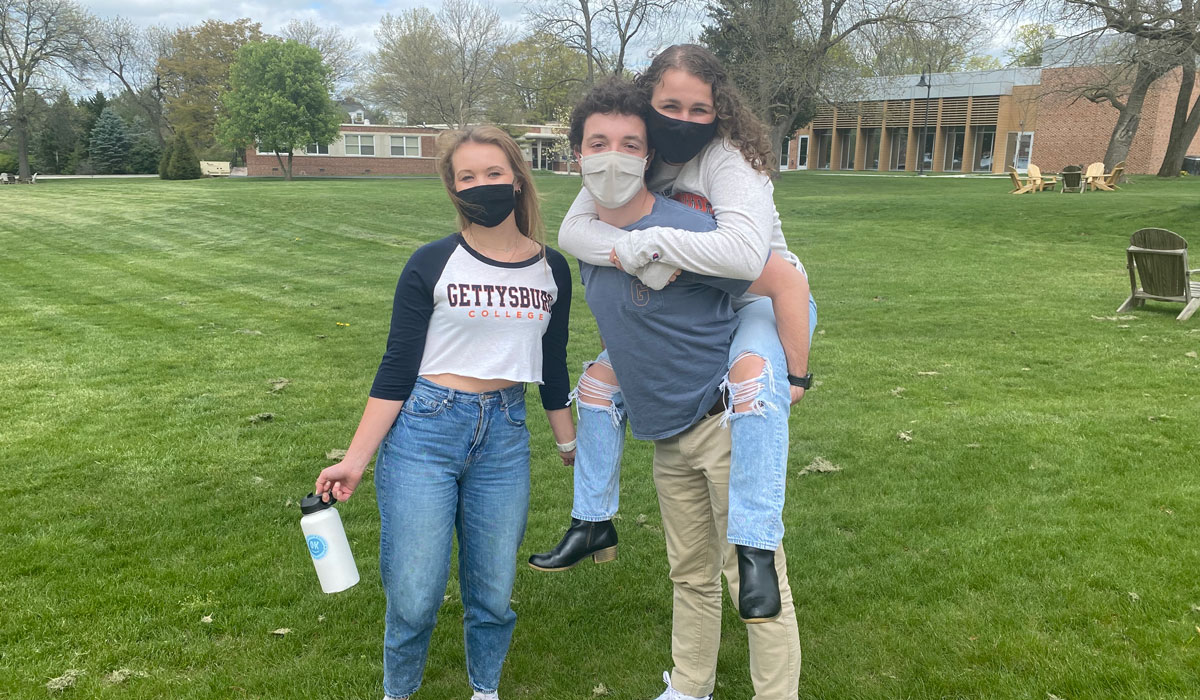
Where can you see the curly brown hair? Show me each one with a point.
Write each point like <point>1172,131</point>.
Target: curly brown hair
<point>735,122</point>
<point>615,95</point>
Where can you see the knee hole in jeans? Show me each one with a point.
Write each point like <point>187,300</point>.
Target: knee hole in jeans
<point>746,381</point>
<point>597,384</point>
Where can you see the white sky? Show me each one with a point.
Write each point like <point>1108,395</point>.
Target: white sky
<point>356,18</point>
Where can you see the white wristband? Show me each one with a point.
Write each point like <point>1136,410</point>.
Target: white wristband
<point>565,446</point>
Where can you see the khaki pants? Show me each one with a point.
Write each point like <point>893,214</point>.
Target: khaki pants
<point>691,474</point>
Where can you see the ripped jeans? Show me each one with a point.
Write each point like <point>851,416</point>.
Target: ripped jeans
<point>758,472</point>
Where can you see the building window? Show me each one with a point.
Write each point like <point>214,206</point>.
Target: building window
<point>985,145</point>
<point>406,146</point>
<point>956,137</point>
<point>824,148</point>
<point>315,149</point>
<point>360,144</point>
<point>1020,145</point>
<point>871,139</point>
<point>899,154</point>
<point>847,141</point>
<point>926,154</point>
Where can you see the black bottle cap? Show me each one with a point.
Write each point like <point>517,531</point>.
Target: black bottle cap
<point>313,504</point>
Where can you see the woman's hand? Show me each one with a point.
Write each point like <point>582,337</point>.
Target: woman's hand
<point>568,458</point>
<point>341,478</point>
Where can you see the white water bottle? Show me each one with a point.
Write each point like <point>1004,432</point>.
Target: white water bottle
<point>327,544</point>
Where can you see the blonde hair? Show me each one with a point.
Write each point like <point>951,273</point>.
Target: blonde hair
<point>528,210</point>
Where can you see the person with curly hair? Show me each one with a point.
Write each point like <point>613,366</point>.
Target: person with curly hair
<point>712,153</point>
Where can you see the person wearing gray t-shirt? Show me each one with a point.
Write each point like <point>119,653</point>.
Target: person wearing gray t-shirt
<point>669,352</point>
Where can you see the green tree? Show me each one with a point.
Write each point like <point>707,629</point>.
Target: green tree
<point>144,154</point>
<point>194,73</point>
<point>538,75</point>
<point>164,160</point>
<point>184,164</point>
<point>38,39</point>
<point>1027,44</point>
<point>109,143</point>
<point>982,62</point>
<point>279,99</point>
<point>58,136</point>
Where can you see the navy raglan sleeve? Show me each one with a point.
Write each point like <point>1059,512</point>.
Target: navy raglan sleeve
<point>411,310</point>
<point>556,382</point>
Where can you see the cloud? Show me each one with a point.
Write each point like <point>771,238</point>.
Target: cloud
<point>356,18</point>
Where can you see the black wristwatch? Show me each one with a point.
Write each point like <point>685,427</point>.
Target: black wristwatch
<point>804,382</point>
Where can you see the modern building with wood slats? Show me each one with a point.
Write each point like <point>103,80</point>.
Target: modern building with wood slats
<point>979,122</point>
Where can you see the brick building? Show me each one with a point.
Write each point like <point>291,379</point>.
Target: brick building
<point>362,148</point>
<point>980,122</point>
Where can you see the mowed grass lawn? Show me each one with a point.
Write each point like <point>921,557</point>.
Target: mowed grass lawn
<point>1035,538</point>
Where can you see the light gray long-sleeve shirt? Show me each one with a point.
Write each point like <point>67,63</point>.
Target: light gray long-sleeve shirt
<point>742,200</point>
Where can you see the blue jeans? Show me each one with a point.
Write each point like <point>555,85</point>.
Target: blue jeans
<point>758,471</point>
<point>453,461</point>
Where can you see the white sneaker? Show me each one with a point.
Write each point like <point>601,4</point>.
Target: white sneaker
<point>672,694</point>
<point>480,695</point>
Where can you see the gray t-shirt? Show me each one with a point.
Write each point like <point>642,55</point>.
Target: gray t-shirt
<point>669,348</point>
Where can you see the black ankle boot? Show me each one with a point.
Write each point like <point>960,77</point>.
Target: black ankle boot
<point>582,539</point>
<point>758,593</point>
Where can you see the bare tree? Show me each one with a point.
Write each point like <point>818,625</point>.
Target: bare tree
<point>786,56</point>
<point>38,38</point>
<point>1184,126</point>
<point>602,30</point>
<point>339,51</point>
<point>437,68</point>
<point>887,49</point>
<point>120,49</point>
<point>1171,26</point>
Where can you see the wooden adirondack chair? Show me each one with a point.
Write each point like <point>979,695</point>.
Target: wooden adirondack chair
<point>1095,177</point>
<point>5,179</point>
<point>1041,182</point>
<point>1018,186</point>
<point>1072,179</point>
<point>1158,258</point>
<point>1111,179</point>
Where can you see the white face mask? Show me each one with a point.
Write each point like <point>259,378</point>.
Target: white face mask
<point>612,177</point>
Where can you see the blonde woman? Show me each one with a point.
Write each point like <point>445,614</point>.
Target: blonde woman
<point>476,315</point>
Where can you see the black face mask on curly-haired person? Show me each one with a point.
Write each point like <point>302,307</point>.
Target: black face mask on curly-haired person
<point>677,141</point>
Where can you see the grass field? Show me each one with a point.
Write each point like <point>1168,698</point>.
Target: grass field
<point>1035,538</point>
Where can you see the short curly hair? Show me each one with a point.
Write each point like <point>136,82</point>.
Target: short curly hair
<point>611,96</point>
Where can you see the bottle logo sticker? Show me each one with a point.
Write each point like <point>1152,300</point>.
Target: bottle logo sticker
<point>317,546</point>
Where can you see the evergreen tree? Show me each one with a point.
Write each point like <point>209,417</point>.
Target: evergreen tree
<point>184,164</point>
<point>109,143</point>
<point>144,155</point>
<point>58,137</point>
<point>164,161</point>
<point>90,110</point>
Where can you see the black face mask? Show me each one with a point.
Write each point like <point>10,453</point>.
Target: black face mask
<point>677,141</point>
<point>488,205</point>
